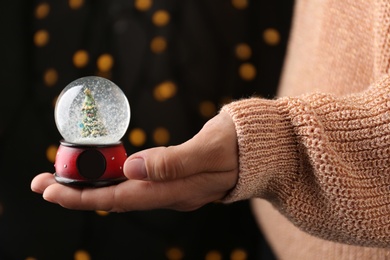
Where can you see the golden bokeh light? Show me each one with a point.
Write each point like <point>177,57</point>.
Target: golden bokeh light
<point>75,4</point>
<point>207,109</point>
<point>240,4</point>
<point>51,153</point>
<point>30,258</point>
<point>42,10</point>
<point>50,77</point>
<point>174,253</point>
<point>239,254</point>
<point>243,51</point>
<point>161,18</point>
<point>102,213</point>
<point>105,62</point>
<point>80,58</point>
<point>158,44</point>
<point>41,38</point>
<point>271,36</point>
<point>82,255</point>
<point>247,71</point>
<point>137,137</point>
<point>161,136</point>
<point>143,5</point>
<point>213,255</point>
<point>164,91</point>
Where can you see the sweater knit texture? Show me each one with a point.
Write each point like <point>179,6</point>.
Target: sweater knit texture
<point>320,152</point>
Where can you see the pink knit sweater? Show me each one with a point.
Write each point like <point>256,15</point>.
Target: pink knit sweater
<point>320,152</point>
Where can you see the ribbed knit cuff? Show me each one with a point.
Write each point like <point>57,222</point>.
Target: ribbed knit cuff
<point>267,147</point>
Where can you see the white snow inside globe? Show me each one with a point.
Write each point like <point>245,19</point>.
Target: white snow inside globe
<point>92,111</point>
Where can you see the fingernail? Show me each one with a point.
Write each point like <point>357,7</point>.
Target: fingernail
<point>136,169</point>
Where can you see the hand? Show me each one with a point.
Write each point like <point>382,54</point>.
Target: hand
<point>183,177</point>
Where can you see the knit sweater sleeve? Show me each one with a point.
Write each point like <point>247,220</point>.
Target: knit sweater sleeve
<point>322,161</point>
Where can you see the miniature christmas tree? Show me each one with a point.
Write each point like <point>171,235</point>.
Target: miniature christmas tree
<point>91,125</point>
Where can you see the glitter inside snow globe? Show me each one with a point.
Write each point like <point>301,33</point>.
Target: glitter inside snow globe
<point>92,114</point>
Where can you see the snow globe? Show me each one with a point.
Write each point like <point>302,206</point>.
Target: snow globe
<point>92,114</point>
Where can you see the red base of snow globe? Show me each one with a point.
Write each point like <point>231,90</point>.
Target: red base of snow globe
<point>90,165</point>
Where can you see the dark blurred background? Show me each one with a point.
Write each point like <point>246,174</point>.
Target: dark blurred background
<point>178,62</point>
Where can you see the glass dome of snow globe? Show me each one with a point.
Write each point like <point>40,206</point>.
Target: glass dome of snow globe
<point>93,111</point>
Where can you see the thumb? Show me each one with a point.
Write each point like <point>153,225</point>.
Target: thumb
<point>213,149</point>
<point>156,164</point>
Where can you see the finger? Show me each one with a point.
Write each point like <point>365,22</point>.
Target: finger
<point>41,182</point>
<point>128,196</point>
<point>184,194</point>
<point>213,149</point>
<point>77,198</point>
